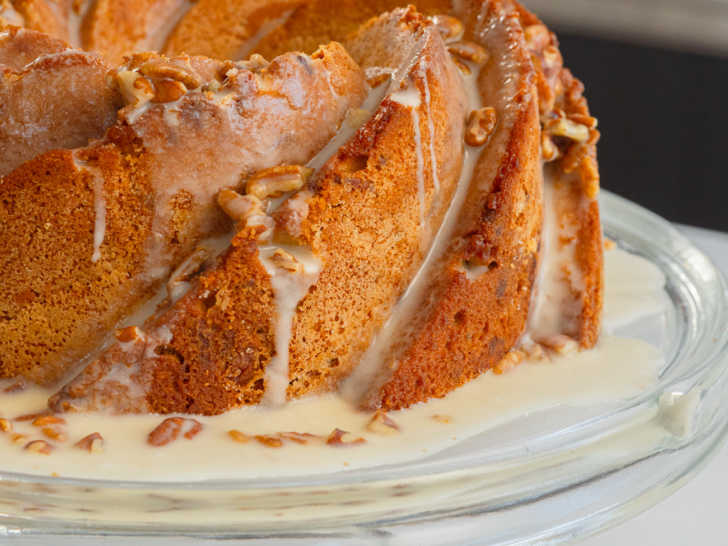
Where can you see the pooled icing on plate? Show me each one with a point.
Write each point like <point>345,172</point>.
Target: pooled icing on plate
<point>299,438</point>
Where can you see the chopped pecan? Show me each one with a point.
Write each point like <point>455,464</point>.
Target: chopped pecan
<point>469,51</point>
<point>564,127</point>
<point>534,352</point>
<point>39,446</point>
<point>269,440</point>
<point>170,429</point>
<point>381,423</point>
<point>481,123</point>
<point>135,89</point>
<point>130,333</point>
<point>286,261</point>
<point>464,68</point>
<point>239,207</point>
<point>551,59</point>
<point>560,344</point>
<point>159,68</point>
<point>254,63</point>
<point>508,362</point>
<point>299,437</point>
<point>276,181</point>
<point>450,28</point>
<point>53,434</point>
<point>549,150</point>
<point>168,90</point>
<point>537,36</point>
<point>32,416</point>
<point>238,436</point>
<point>18,438</point>
<point>15,387</point>
<point>342,438</point>
<point>44,420</point>
<point>93,443</point>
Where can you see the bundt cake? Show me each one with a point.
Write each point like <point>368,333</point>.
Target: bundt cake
<point>413,204</point>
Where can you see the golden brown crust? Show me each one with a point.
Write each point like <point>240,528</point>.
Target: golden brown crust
<point>363,221</point>
<point>178,168</point>
<point>37,102</point>
<point>117,28</point>
<point>20,46</point>
<point>48,16</point>
<point>227,30</point>
<point>561,94</point>
<point>480,296</point>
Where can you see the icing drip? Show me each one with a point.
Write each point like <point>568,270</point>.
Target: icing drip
<point>410,97</point>
<point>431,129</point>
<point>357,384</point>
<point>554,308</point>
<point>157,37</point>
<point>289,288</point>
<point>99,205</point>
<point>100,215</point>
<point>420,165</point>
<point>348,129</point>
<point>75,22</point>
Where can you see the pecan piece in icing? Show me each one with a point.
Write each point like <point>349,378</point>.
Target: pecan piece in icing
<point>170,429</point>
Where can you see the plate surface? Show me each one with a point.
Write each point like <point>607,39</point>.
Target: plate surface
<point>551,476</point>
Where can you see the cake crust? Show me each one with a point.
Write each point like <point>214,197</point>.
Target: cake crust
<point>155,176</point>
<point>362,221</point>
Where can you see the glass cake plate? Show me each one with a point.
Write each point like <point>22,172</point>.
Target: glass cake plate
<point>550,476</point>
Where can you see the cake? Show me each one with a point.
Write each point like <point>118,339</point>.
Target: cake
<point>450,226</point>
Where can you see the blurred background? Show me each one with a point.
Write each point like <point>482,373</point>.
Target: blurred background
<point>656,76</point>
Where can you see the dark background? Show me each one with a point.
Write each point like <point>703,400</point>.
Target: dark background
<point>664,120</point>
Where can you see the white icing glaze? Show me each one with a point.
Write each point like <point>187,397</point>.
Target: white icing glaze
<point>289,288</point>
<point>623,303</point>
<point>349,129</point>
<point>99,205</point>
<point>420,165</point>
<point>371,362</point>
<point>409,96</point>
<point>100,214</point>
<point>75,20</point>
<point>430,128</point>
<point>157,37</point>
<point>555,306</point>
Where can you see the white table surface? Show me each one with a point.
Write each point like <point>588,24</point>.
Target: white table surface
<point>694,515</point>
